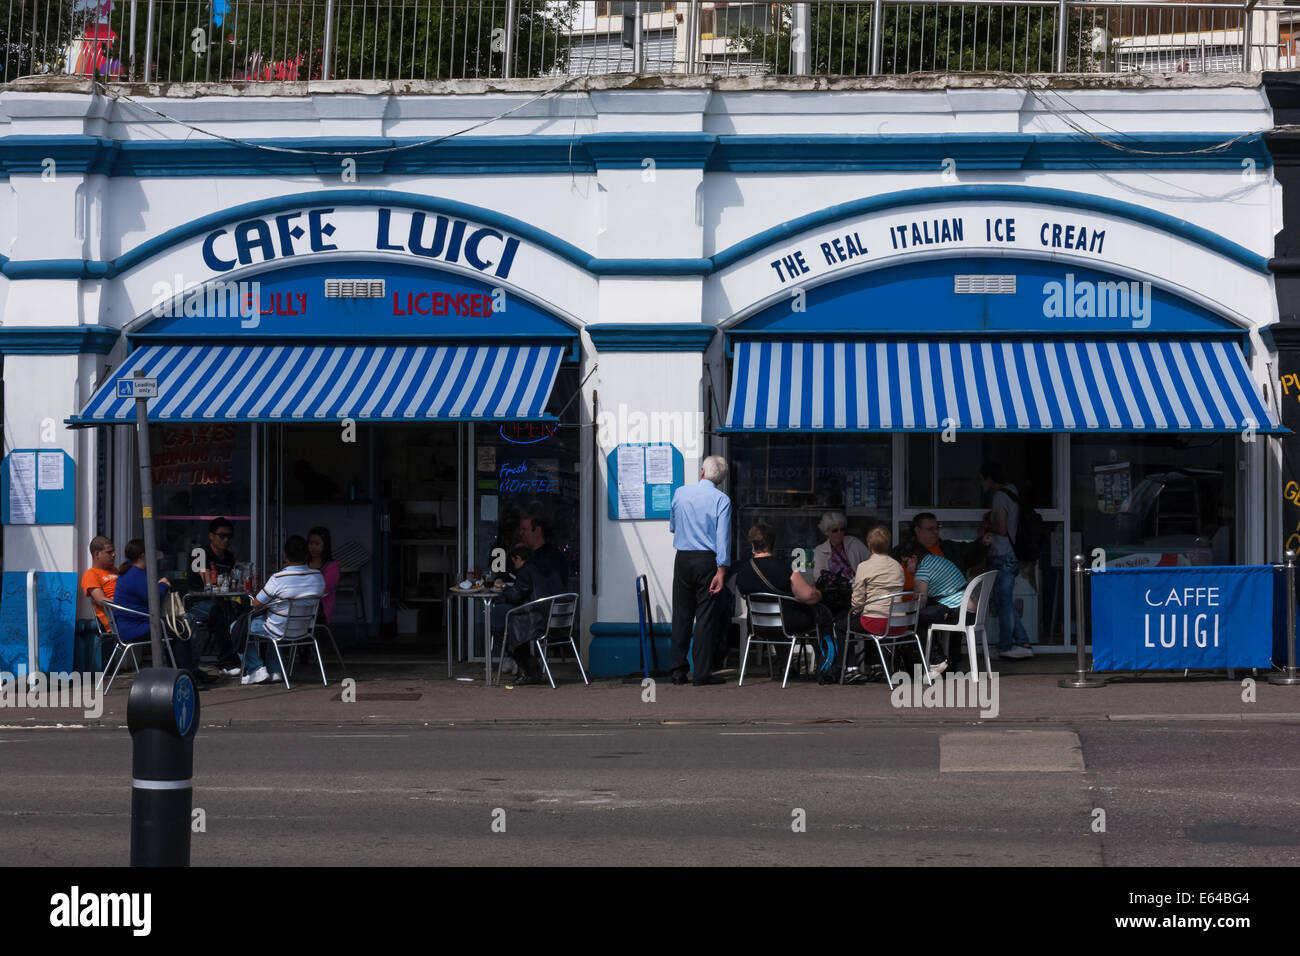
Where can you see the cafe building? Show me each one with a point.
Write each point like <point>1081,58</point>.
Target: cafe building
<point>361,317</point>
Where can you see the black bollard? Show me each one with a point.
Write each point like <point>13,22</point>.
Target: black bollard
<point>162,714</point>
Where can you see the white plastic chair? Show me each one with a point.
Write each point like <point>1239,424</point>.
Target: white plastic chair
<point>904,610</point>
<point>976,595</point>
<point>767,616</point>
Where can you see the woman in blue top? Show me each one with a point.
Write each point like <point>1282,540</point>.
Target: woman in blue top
<point>133,593</point>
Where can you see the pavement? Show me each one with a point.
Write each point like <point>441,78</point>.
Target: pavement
<point>419,693</point>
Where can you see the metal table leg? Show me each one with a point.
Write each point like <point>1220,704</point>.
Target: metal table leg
<point>487,641</point>
<point>450,659</point>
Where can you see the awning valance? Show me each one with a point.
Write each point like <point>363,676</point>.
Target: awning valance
<point>283,383</point>
<point>1031,385</point>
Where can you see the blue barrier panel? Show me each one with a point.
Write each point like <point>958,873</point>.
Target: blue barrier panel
<point>1175,618</point>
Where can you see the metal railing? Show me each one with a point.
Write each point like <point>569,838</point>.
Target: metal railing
<point>301,40</point>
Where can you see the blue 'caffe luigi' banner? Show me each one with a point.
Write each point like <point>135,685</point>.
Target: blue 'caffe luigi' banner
<point>1174,618</point>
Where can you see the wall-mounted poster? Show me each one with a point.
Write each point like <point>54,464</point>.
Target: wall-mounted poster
<point>642,479</point>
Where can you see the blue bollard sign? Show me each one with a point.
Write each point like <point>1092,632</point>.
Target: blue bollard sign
<point>1175,618</point>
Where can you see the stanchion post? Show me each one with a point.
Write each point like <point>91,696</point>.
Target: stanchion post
<point>162,714</point>
<point>1080,678</point>
<point>1289,676</point>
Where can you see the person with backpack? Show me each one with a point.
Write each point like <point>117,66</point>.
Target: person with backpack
<point>1004,557</point>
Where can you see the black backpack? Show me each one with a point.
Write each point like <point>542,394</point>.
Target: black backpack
<point>1029,530</point>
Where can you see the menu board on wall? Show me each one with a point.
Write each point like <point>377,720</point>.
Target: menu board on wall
<point>642,479</point>
<point>37,487</point>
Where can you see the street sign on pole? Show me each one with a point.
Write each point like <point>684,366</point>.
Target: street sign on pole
<point>137,388</point>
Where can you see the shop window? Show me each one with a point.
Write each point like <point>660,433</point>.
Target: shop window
<point>945,475</point>
<point>1151,500</point>
<point>525,469</point>
<point>200,472</point>
<point>789,481</point>
<point>326,464</point>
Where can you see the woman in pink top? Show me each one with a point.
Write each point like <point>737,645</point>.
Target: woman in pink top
<point>322,560</point>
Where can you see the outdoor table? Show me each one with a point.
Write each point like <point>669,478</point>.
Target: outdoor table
<point>487,596</point>
<point>208,594</point>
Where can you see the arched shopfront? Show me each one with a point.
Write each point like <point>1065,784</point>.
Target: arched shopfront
<point>375,368</point>
<point>906,339</point>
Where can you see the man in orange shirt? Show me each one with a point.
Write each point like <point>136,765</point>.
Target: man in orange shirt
<point>100,579</point>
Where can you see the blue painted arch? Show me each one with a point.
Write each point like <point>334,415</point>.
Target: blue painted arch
<point>1011,193</point>
<point>684,266</point>
<point>918,298</point>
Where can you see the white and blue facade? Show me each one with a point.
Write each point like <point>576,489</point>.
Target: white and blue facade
<point>908,279</point>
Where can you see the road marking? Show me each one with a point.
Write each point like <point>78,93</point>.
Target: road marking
<point>769,733</point>
<point>353,736</point>
<point>566,735</point>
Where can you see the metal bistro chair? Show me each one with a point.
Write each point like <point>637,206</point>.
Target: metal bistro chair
<point>561,620</point>
<point>122,648</point>
<point>904,611</point>
<point>299,623</point>
<point>767,627</point>
<point>976,595</point>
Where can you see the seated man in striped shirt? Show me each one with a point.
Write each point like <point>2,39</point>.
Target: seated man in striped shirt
<point>940,585</point>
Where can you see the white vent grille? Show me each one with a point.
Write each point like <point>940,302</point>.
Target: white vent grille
<point>984,285</point>
<point>354,288</point>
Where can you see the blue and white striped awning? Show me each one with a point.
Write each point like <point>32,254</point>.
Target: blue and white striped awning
<point>282,383</point>
<point>1039,385</point>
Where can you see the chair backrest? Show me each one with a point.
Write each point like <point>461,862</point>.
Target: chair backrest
<point>563,611</point>
<point>111,611</point>
<point>295,616</point>
<point>904,611</point>
<point>767,613</point>
<point>977,594</point>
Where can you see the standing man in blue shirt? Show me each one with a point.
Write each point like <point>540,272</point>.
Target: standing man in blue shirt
<point>701,525</point>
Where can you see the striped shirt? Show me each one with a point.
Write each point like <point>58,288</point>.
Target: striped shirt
<point>944,581</point>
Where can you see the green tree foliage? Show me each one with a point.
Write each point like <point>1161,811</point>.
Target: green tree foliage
<point>284,40</point>
<point>918,38</point>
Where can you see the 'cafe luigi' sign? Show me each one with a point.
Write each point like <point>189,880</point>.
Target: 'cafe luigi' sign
<point>427,235</point>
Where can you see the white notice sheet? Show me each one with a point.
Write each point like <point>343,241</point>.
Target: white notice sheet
<point>631,481</point>
<point>659,465</point>
<point>22,487</point>
<point>49,471</point>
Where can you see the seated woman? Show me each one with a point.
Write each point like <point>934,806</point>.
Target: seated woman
<point>131,592</point>
<point>840,553</point>
<point>877,577</point>
<point>768,573</point>
<point>322,560</point>
<point>531,583</point>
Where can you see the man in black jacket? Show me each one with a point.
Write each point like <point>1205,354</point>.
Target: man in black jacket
<point>531,583</point>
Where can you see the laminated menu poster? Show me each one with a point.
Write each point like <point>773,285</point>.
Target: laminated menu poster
<point>22,487</point>
<point>37,487</point>
<point>631,481</point>
<point>642,479</point>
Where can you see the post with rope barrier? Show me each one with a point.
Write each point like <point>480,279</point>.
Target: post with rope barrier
<point>1081,679</point>
<point>1289,676</point>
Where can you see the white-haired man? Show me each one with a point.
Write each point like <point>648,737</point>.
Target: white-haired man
<point>700,521</point>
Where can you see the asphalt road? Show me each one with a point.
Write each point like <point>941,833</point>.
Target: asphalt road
<point>1173,793</point>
